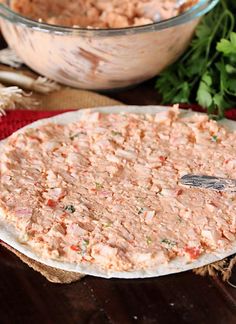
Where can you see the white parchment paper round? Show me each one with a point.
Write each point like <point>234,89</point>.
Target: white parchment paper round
<point>10,236</point>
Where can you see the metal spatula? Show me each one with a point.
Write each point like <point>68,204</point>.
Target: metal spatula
<point>207,182</point>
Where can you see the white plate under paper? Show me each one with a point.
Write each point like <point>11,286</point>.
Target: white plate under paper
<point>9,235</point>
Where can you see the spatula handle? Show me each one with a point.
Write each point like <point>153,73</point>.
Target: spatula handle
<point>208,182</point>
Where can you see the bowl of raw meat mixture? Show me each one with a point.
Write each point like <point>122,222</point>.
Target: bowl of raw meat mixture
<point>100,44</point>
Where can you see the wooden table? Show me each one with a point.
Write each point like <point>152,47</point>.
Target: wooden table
<point>26,297</point>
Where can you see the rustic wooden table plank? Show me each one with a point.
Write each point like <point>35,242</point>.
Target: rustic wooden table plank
<point>26,297</point>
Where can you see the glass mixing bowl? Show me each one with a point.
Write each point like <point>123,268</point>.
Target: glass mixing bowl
<point>100,59</point>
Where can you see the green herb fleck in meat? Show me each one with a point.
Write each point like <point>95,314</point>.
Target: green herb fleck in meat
<point>70,209</point>
<point>140,211</point>
<point>148,240</point>
<point>108,224</point>
<point>77,135</point>
<point>98,185</point>
<point>168,243</point>
<point>114,133</point>
<point>86,242</point>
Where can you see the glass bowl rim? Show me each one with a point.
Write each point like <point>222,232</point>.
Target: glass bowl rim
<point>198,10</point>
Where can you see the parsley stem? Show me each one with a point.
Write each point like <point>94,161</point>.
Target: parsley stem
<point>211,38</point>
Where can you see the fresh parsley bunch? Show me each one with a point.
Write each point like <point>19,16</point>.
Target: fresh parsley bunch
<point>206,72</point>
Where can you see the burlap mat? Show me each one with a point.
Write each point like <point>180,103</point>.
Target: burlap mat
<point>52,274</point>
<point>68,98</point>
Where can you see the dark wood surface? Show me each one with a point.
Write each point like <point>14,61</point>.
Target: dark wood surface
<point>27,297</point>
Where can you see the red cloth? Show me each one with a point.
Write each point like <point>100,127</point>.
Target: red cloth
<point>19,118</point>
<point>16,119</point>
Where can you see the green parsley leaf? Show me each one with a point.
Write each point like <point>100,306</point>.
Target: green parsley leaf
<point>227,46</point>
<point>204,95</point>
<point>230,69</point>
